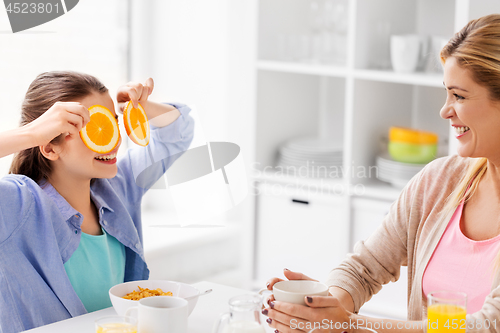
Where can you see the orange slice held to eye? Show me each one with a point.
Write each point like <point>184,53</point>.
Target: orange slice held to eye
<point>101,134</point>
<point>136,124</point>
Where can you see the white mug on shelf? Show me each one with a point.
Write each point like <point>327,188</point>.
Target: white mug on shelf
<point>405,52</point>
<point>161,314</point>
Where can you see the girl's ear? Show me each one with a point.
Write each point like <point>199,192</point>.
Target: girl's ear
<point>50,151</point>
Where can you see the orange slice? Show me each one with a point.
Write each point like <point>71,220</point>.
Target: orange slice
<point>101,134</point>
<point>136,124</point>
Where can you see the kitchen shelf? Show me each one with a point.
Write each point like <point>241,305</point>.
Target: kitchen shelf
<point>420,79</point>
<point>302,68</point>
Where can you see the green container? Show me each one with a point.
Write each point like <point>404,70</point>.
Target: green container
<point>412,152</point>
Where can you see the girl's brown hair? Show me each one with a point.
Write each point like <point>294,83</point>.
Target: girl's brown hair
<point>476,48</point>
<point>47,89</point>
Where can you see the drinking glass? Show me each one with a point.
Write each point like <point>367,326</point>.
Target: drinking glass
<point>446,311</point>
<point>243,316</point>
<point>116,324</point>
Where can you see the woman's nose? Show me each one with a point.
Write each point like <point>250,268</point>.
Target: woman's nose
<point>446,111</point>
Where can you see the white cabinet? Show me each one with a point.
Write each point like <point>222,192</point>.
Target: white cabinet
<point>367,215</point>
<point>300,231</point>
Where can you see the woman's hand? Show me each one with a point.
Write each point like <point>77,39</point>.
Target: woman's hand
<point>290,276</point>
<point>62,118</point>
<point>135,92</point>
<point>321,315</point>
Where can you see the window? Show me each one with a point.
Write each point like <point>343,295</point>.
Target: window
<point>91,38</point>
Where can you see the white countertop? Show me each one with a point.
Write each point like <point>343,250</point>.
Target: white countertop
<point>205,314</point>
<point>160,236</point>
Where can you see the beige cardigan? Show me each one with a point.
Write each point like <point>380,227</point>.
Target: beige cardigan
<point>407,237</point>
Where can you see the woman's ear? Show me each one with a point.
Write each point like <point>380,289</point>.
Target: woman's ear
<point>50,151</point>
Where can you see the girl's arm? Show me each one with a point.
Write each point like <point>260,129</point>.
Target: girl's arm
<point>15,140</point>
<point>161,115</point>
<point>66,118</point>
<point>171,135</point>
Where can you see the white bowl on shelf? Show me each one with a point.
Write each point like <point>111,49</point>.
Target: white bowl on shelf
<point>178,289</point>
<point>396,173</point>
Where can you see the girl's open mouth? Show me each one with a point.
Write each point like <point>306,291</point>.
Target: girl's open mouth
<point>107,159</point>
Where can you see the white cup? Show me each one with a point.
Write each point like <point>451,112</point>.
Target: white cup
<point>295,291</point>
<point>405,52</point>
<point>161,314</point>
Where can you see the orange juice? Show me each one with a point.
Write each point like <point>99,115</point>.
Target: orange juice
<point>446,318</point>
<point>116,328</point>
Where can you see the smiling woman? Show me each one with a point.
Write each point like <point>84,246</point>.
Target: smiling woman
<point>473,111</point>
<point>445,226</point>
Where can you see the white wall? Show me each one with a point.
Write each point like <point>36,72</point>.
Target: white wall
<point>183,45</point>
<point>202,53</point>
<point>84,40</point>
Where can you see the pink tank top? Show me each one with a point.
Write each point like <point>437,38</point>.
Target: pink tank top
<point>462,264</point>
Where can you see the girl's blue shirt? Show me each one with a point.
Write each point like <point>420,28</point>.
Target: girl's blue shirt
<point>40,230</point>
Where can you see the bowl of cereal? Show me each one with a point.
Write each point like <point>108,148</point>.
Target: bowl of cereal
<point>126,295</point>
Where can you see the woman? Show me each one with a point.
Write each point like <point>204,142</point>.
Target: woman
<point>445,226</point>
<point>70,218</point>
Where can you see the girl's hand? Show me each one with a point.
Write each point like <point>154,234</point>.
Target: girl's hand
<point>135,92</point>
<point>62,118</point>
<point>325,313</point>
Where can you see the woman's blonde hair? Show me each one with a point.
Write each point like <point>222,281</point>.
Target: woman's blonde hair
<point>476,48</point>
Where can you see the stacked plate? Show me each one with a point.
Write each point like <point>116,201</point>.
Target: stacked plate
<point>311,157</point>
<point>396,173</point>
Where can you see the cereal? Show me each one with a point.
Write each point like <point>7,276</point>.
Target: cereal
<point>145,292</point>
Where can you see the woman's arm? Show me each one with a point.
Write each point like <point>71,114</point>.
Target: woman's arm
<point>487,320</point>
<point>377,260</point>
<point>344,298</point>
<point>326,314</point>
<point>386,325</point>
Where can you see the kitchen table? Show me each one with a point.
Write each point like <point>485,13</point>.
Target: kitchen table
<point>202,320</point>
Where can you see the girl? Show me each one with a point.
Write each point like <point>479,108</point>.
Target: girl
<point>70,219</point>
